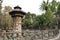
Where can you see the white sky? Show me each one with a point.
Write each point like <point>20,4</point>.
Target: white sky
<point>27,5</point>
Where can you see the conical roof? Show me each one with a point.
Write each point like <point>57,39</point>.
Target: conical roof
<point>17,10</point>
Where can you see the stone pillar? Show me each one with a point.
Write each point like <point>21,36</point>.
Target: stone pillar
<point>17,23</point>
<point>17,14</point>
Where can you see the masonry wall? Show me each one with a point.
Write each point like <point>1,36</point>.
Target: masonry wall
<point>30,35</point>
<point>17,24</point>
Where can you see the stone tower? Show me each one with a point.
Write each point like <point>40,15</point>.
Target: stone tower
<point>17,14</point>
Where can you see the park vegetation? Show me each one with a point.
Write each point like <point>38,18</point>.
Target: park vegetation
<point>50,19</point>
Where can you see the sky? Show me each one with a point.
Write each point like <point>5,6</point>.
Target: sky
<point>27,5</point>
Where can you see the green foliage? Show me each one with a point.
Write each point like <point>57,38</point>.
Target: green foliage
<point>5,22</point>
<point>28,20</point>
<point>52,5</point>
<point>40,21</point>
<point>32,21</point>
<point>44,21</point>
<point>0,5</point>
<point>58,15</point>
<point>7,8</point>
<point>45,5</point>
<point>58,10</point>
<point>5,19</point>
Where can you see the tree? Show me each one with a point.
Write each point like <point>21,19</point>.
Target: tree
<point>49,18</point>
<point>0,5</point>
<point>39,22</point>
<point>45,5</point>
<point>1,16</point>
<point>50,9</point>
<point>52,5</point>
<point>7,8</point>
<point>28,20</point>
<point>58,15</point>
<point>7,18</point>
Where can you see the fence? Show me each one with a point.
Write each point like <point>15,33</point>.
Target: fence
<point>29,35</point>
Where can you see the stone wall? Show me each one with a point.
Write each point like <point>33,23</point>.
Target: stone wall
<point>29,35</point>
<point>40,34</point>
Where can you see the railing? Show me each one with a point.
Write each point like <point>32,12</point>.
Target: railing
<point>29,35</point>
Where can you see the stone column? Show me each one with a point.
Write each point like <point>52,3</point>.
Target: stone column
<point>17,14</point>
<point>17,23</point>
